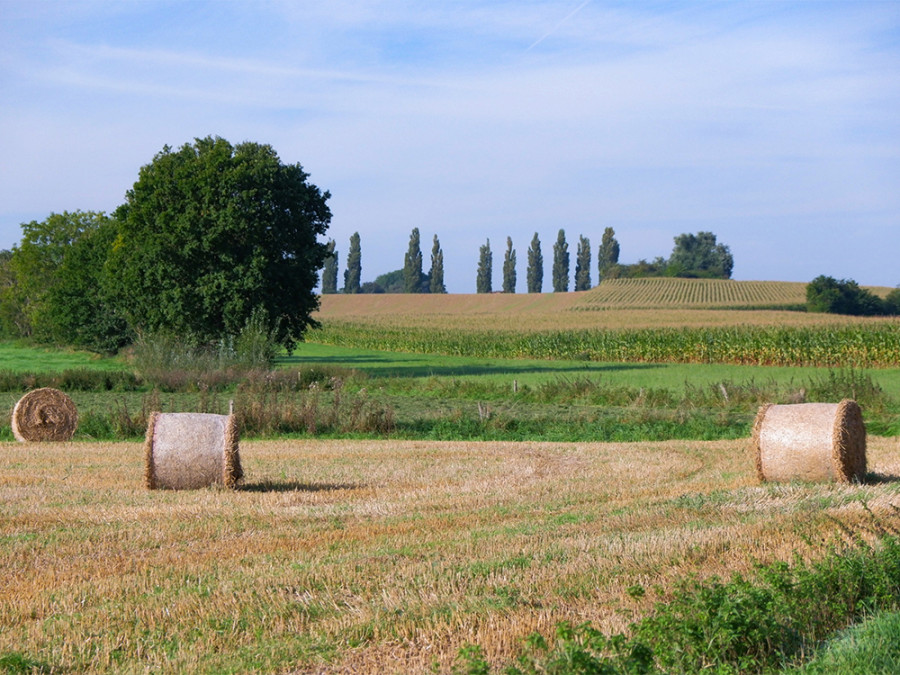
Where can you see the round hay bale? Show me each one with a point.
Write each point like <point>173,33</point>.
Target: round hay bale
<point>185,451</point>
<point>44,415</point>
<point>810,442</point>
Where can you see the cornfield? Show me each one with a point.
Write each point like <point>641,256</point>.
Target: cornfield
<point>861,345</point>
<point>693,293</point>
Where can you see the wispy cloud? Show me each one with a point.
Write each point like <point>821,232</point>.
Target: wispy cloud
<point>476,119</point>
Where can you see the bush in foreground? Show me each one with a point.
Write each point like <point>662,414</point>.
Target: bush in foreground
<point>738,626</point>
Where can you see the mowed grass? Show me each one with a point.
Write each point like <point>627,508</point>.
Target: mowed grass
<point>382,556</point>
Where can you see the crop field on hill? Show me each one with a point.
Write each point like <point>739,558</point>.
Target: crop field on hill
<point>621,327</point>
<point>382,556</point>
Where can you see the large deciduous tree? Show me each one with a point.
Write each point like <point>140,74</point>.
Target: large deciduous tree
<point>583,264</point>
<point>509,268</point>
<point>535,266</point>
<point>213,233</point>
<point>560,263</point>
<point>700,256</point>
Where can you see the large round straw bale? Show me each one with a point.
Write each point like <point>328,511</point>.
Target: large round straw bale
<point>810,442</point>
<point>185,451</point>
<point>44,415</point>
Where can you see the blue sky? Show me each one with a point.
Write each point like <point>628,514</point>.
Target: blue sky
<point>775,125</point>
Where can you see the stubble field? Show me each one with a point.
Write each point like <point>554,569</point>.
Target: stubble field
<point>382,556</point>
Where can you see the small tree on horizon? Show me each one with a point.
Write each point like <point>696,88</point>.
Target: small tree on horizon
<point>436,282</point>
<point>412,265</point>
<point>583,264</point>
<point>535,266</point>
<point>353,273</point>
<point>509,268</point>
<point>561,264</point>
<point>485,269</point>
<point>330,269</point>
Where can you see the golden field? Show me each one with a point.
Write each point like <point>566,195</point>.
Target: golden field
<point>382,556</point>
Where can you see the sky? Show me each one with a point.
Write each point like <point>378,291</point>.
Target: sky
<point>773,125</point>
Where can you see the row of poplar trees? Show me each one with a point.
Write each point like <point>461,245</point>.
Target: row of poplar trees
<point>411,279</point>
<point>607,256</point>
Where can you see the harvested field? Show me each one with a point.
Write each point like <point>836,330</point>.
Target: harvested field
<point>382,556</point>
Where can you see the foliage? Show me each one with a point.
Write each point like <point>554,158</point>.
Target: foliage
<point>641,269</point>
<point>700,256</point>
<point>389,282</point>
<point>436,275</point>
<point>535,266</point>
<point>353,273</point>
<point>583,264</point>
<point>80,308</point>
<point>330,269</point>
<point>561,263</point>
<point>211,232</point>
<point>32,267</point>
<point>485,269</point>
<point>827,294</point>
<point>509,268</point>
<point>412,265</point>
<point>608,254</point>
<point>739,626</point>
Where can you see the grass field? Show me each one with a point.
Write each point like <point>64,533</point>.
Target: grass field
<point>381,556</point>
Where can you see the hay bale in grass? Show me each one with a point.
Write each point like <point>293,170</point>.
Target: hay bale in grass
<point>810,442</point>
<point>44,414</point>
<point>185,451</point>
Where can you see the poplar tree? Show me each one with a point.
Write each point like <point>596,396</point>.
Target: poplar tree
<point>608,255</point>
<point>509,268</point>
<point>485,269</point>
<point>583,264</point>
<point>561,264</point>
<point>535,266</point>
<point>353,273</point>
<point>330,270</point>
<point>436,283</point>
<point>412,265</point>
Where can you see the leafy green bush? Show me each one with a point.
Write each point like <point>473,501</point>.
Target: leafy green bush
<point>827,294</point>
<point>739,626</point>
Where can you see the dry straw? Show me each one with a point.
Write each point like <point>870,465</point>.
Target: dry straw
<point>44,415</point>
<point>810,442</point>
<point>186,451</point>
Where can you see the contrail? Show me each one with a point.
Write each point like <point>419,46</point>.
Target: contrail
<point>556,27</point>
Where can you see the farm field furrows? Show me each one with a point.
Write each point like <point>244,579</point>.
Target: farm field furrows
<point>692,293</point>
<point>382,556</point>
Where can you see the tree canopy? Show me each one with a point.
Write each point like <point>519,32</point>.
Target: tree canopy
<point>330,270</point>
<point>509,267</point>
<point>583,264</point>
<point>353,273</point>
<point>212,233</point>
<point>535,265</point>
<point>412,265</point>
<point>700,256</point>
<point>560,263</point>
<point>436,275</point>
<point>608,253</point>
<point>485,269</point>
<point>829,295</point>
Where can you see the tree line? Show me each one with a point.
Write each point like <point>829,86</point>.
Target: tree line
<point>213,239</point>
<point>694,255</point>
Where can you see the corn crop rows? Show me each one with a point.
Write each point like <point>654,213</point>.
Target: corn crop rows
<point>668,292</point>
<point>861,345</point>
